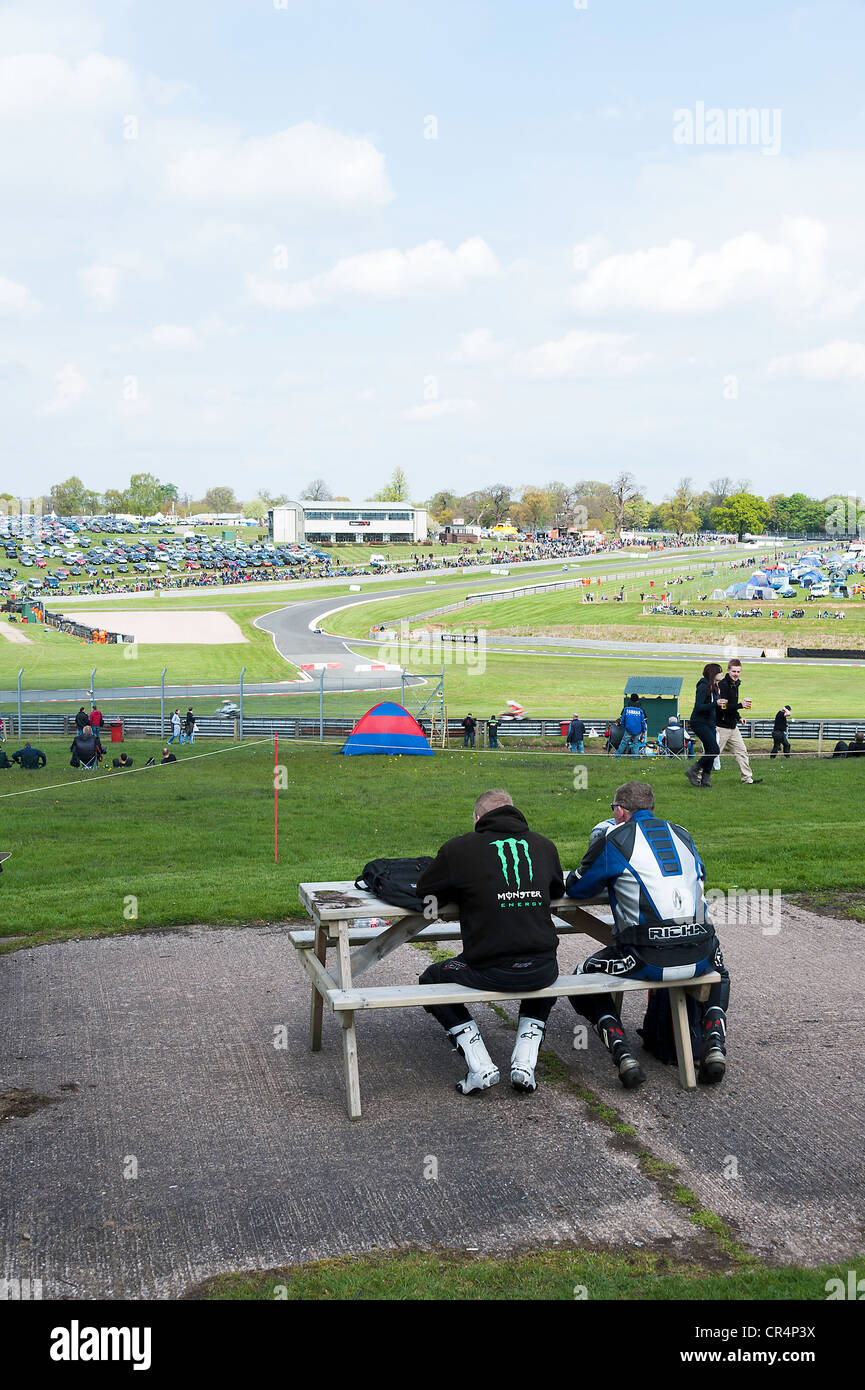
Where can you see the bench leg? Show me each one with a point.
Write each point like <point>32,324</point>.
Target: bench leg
<point>682,1034</point>
<point>349,1036</point>
<point>352,1075</point>
<point>316,1003</point>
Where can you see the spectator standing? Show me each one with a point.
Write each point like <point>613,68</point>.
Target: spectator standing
<point>779,733</point>
<point>703,724</point>
<point>633,721</point>
<point>96,719</point>
<point>576,734</point>
<point>493,731</point>
<point>469,725</point>
<point>727,720</point>
<point>81,719</point>
<point>176,726</point>
<point>188,726</point>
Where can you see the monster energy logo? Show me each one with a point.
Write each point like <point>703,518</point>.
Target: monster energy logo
<point>501,846</point>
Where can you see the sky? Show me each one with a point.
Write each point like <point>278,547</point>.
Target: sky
<point>256,242</point>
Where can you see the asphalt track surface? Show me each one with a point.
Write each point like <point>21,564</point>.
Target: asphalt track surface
<point>165,1138</point>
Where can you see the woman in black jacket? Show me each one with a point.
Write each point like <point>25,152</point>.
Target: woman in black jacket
<point>702,723</point>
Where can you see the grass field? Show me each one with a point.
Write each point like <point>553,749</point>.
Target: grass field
<point>556,1275</point>
<point>193,842</point>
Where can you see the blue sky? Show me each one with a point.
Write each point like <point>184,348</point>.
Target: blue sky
<point>231,253</point>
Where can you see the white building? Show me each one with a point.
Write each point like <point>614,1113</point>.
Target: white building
<point>379,523</point>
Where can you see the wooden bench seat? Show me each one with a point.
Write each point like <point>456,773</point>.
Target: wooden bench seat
<point>335,907</point>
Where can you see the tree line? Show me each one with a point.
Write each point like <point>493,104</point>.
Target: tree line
<point>727,504</point>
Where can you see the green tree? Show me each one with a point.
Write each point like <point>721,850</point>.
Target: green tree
<point>396,490</point>
<point>742,511</point>
<point>144,494</point>
<point>114,501</point>
<point>72,498</point>
<point>637,514</point>
<point>797,514</point>
<point>678,512</point>
<point>443,506</point>
<point>533,511</point>
<point>220,499</point>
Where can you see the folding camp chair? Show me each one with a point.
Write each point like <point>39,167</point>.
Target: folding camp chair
<point>674,742</point>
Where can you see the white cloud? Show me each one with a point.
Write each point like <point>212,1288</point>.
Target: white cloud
<point>59,25</point>
<point>44,82</point>
<point>173,336</point>
<point>581,354</point>
<point>433,410</point>
<point>480,347</point>
<point>100,283</point>
<point>16,299</point>
<point>71,386</point>
<point>835,362</point>
<point>427,269</point>
<point>676,279</point>
<point>306,164</point>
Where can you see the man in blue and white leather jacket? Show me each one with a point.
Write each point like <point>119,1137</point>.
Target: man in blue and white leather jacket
<point>655,879</point>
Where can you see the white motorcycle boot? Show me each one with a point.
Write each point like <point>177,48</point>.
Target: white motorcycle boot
<point>483,1072</point>
<point>524,1057</point>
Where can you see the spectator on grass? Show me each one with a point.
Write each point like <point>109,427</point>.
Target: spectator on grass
<point>633,722</point>
<point>4,760</point>
<point>176,726</point>
<point>493,731</point>
<point>81,719</point>
<point>469,725</point>
<point>779,733</point>
<point>168,757</point>
<point>634,864</point>
<point>96,719</point>
<point>513,950</point>
<point>29,757</point>
<point>84,747</point>
<point>188,726</point>
<point>856,749</point>
<point>702,723</point>
<point>727,720</point>
<point>576,734</point>
<point>123,761</point>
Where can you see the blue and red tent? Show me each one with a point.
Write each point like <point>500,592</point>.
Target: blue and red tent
<point>386,728</point>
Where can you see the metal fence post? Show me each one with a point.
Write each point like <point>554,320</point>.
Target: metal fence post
<point>321,707</point>
<point>92,687</point>
<point>20,674</point>
<point>240,719</point>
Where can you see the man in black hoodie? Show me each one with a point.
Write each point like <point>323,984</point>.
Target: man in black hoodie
<point>502,876</point>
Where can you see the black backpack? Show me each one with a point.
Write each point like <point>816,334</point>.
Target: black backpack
<point>394,880</point>
<point>657,1029</point>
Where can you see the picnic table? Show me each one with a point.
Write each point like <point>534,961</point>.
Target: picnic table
<point>336,909</point>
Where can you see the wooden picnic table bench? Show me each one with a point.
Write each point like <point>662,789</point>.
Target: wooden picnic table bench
<point>335,908</point>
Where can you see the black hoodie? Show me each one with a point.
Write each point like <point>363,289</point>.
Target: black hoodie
<point>502,876</point>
